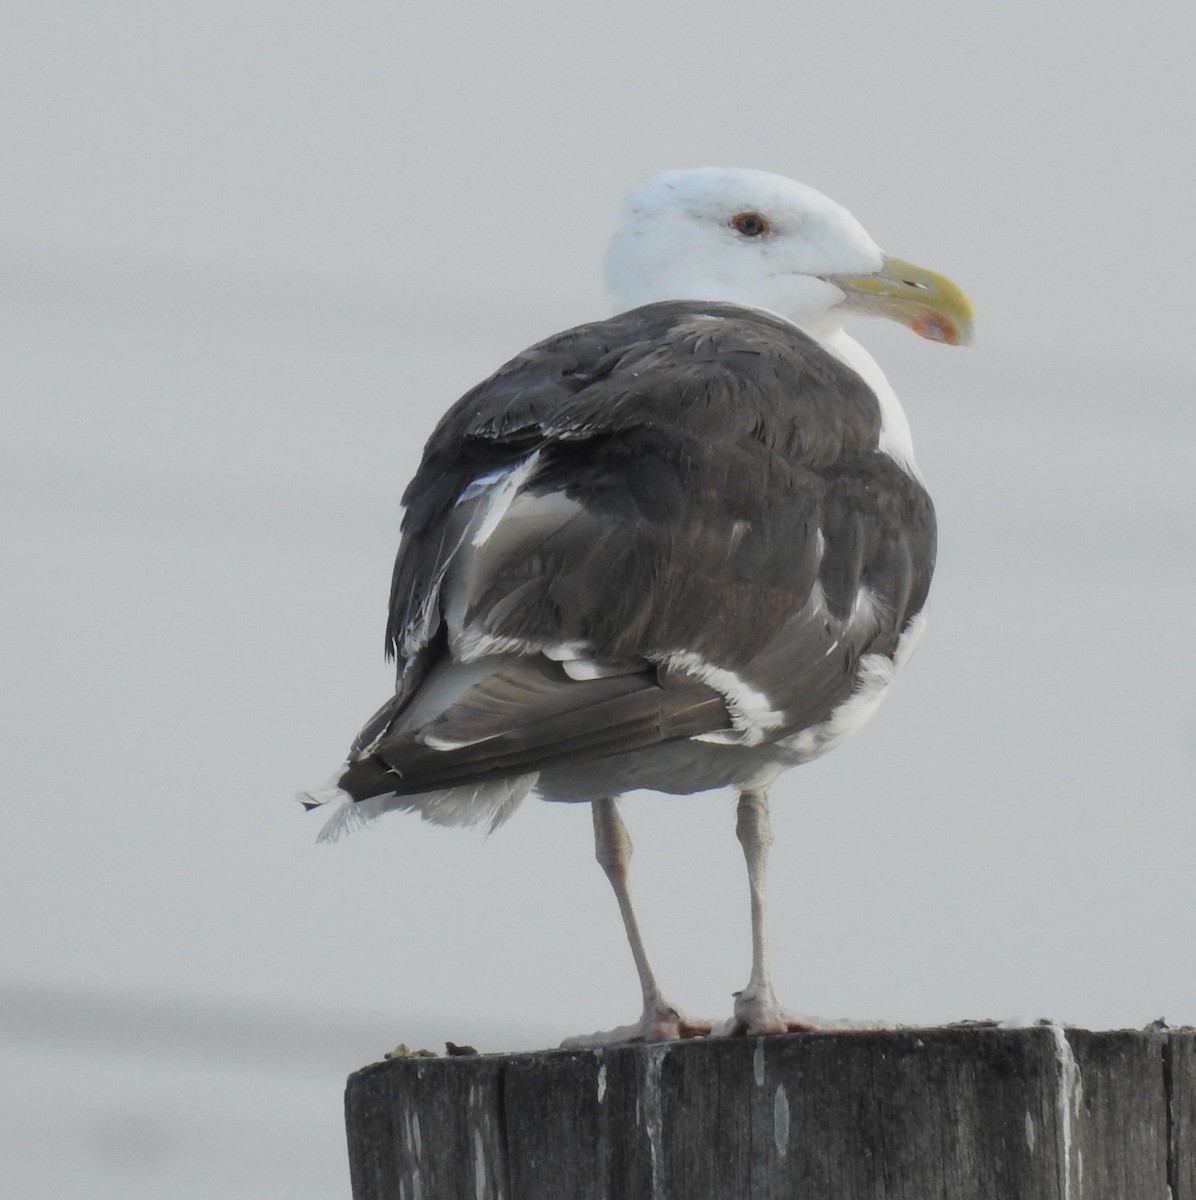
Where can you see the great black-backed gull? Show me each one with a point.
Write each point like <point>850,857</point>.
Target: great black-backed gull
<point>680,549</point>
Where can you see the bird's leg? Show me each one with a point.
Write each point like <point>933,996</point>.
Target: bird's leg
<point>660,1021</point>
<point>756,1007</point>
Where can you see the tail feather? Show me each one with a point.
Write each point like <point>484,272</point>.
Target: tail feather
<point>493,802</point>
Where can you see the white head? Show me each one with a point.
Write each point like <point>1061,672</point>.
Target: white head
<point>758,239</point>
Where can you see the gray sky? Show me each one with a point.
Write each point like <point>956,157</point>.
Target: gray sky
<point>251,252</point>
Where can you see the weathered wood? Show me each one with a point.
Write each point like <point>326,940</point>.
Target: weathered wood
<point>959,1113</point>
<point>1179,1078</point>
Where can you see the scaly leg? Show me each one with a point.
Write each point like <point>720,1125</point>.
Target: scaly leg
<point>660,1021</point>
<point>756,1007</point>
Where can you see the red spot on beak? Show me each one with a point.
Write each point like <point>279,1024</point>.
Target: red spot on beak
<point>935,327</point>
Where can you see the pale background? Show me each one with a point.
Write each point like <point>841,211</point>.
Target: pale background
<point>250,252</point>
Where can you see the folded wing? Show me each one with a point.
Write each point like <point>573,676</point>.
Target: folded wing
<point>672,525</point>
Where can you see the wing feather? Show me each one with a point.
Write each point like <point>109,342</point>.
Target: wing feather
<point>690,493</point>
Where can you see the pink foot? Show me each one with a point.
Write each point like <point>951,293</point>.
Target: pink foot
<point>660,1023</point>
<point>757,1014</point>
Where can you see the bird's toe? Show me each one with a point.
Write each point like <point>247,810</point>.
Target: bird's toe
<point>660,1023</point>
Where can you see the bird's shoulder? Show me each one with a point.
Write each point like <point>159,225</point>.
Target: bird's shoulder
<point>704,368</point>
<point>674,375</point>
<point>664,470</point>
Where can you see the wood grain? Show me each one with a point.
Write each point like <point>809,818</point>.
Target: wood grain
<point>957,1113</point>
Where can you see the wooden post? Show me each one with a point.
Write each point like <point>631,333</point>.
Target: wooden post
<point>955,1113</point>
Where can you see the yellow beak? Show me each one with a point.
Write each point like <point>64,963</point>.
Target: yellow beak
<point>929,303</point>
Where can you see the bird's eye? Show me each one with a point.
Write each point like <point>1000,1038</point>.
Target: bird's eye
<point>750,224</point>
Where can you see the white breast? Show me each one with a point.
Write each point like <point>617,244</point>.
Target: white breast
<point>895,438</point>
